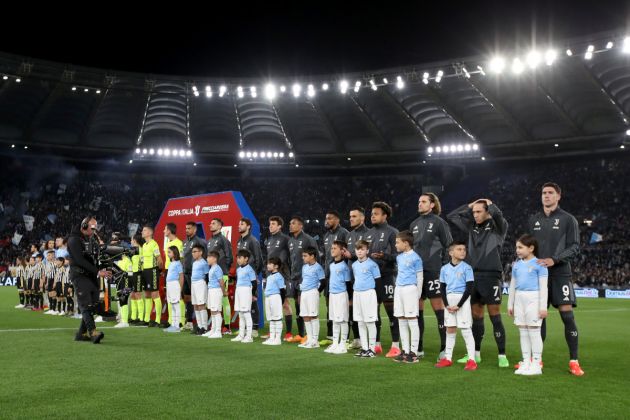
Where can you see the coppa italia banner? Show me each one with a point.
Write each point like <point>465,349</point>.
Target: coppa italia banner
<point>229,206</point>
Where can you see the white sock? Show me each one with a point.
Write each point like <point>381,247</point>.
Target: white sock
<point>315,330</point>
<point>204,319</point>
<point>450,345</point>
<point>309,329</point>
<point>216,323</point>
<point>536,343</point>
<point>371,326</point>
<point>470,342</point>
<point>199,321</point>
<point>415,334</point>
<point>336,332</point>
<point>344,333</point>
<point>526,344</point>
<point>241,324</point>
<point>277,329</point>
<point>363,334</point>
<point>175,309</point>
<point>403,326</point>
<point>249,324</point>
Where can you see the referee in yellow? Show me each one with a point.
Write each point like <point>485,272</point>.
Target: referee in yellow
<point>151,263</point>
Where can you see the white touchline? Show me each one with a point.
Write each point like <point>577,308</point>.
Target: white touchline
<point>47,329</point>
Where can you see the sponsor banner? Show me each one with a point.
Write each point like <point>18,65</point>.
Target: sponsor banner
<point>617,294</point>
<point>587,293</point>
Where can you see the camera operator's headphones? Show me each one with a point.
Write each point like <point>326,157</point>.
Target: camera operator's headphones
<point>85,223</point>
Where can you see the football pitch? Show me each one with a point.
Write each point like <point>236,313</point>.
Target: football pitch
<point>145,373</point>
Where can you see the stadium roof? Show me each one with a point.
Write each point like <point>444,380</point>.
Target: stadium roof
<point>541,104</point>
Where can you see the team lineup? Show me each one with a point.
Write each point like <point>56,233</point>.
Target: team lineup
<point>360,272</point>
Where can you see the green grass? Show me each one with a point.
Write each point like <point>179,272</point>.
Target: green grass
<point>145,373</point>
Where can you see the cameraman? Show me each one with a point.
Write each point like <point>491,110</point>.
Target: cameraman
<point>83,249</point>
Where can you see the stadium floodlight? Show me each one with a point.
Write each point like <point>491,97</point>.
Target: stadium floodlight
<point>475,147</point>
<point>296,89</point>
<point>550,57</point>
<point>18,80</point>
<point>483,158</point>
<point>589,52</point>
<point>533,59</point>
<point>275,154</point>
<point>137,151</point>
<point>151,151</point>
<point>283,88</point>
<point>438,76</point>
<point>372,84</point>
<point>130,161</point>
<point>182,153</point>
<point>556,145</point>
<point>86,90</point>
<point>282,154</point>
<point>196,93</point>
<point>517,66</point>
<point>239,91</point>
<point>497,64</point>
<point>208,92</point>
<point>98,91</point>
<point>241,154</point>
<point>194,88</point>
<point>255,154</point>
<point>144,151</point>
<point>310,91</point>
<point>167,152</point>
<point>195,164</point>
<point>188,153</point>
<point>425,75</point>
<point>483,73</point>
<point>453,148</point>
<point>343,86</point>
<point>325,86</point>
<point>73,87</point>
<point>466,74</point>
<point>467,147</point>
<point>270,91</point>
<point>399,82</point>
<point>5,77</point>
<point>609,45</point>
<point>290,154</point>
<point>253,92</point>
<point>222,90</point>
<point>160,152</point>
<point>248,154</point>
<point>628,132</point>
<point>460,148</point>
<point>569,52</point>
<point>430,150</point>
<point>357,86</point>
<point>263,155</point>
<point>438,149</point>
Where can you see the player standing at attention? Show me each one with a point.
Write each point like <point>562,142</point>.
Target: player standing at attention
<point>527,303</point>
<point>275,294</point>
<point>431,238</point>
<point>334,232</point>
<point>558,237</point>
<point>382,239</point>
<point>364,301</point>
<point>20,275</point>
<point>340,288</point>
<point>277,245</point>
<point>313,283</point>
<point>151,263</point>
<point>192,240</point>
<point>170,231</point>
<point>251,244</point>
<point>198,288</point>
<point>483,221</point>
<point>137,303</point>
<point>246,281</point>
<point>407,296</point>
<point>457,283</point>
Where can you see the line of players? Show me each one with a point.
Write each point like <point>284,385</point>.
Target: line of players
<point>44,283</point>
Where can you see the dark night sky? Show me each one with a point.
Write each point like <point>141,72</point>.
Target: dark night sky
<point>286,41</point>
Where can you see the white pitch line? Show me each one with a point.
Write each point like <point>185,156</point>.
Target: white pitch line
<point>47,329</point>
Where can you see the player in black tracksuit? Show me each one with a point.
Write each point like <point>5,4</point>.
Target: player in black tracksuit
<point>277,245</point>
<point>359,232</point>
<point>486,228</point>
<point>191,241</point>
<point>558,237</point>
<point>334,232</point>
<point>251,244</point>
<point>431,238</point>
<point>382,239</point>
<point>298,241</point>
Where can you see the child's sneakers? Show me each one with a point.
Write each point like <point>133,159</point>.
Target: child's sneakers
<point>378,349</point>
<point>238,338</point>
<point>411,358</point>
<point>444,363</point>
<point>331,349</point>
<point>393,352</point>
<point>341,349</point>
<point>523,367</point>
<point>470,365</point>
<point>400,357</point>
<point>247,340</point>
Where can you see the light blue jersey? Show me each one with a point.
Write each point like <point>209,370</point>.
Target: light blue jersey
<point>365,275</point>
<point>275,282</point>
<point>245,276</point>
<point>214,277</point>
<point>339,275</point>
<point>409,263</point>
<point>526,275</point>
<point>456,276</point>
<point>199,270</point>
<point>312,274</point>
<point>174,270</point>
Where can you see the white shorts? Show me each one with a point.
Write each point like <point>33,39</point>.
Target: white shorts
<point>364,306</point>
<point>273,308</point>
<point>338,307</point>
<point>406,301</point>
<point>460,319</point>
<point>173,291</point>
<point>243,299</point>
<point>215,299</point>
<point>526,310</point>
<point>198,292</point>
<point>309,303</point>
